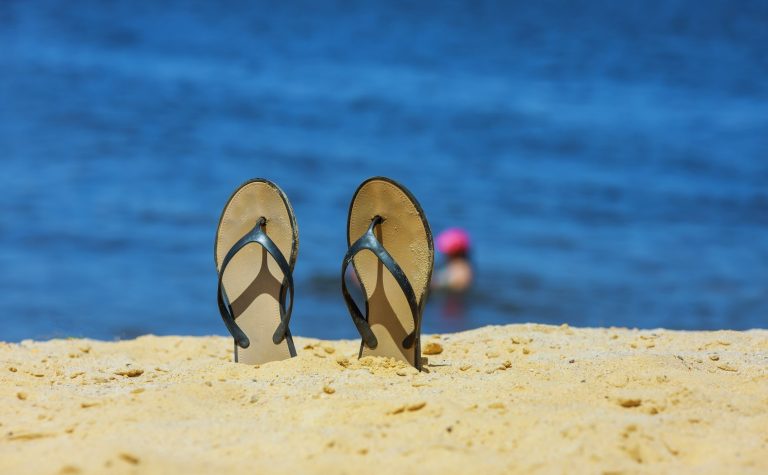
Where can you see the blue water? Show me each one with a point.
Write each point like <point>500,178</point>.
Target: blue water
<point>609,159</point>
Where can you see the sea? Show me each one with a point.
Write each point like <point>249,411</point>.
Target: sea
<point>608,159</point>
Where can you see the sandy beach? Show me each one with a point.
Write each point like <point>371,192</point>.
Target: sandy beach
<point>517,398</point>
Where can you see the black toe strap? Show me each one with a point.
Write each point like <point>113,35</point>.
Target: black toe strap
<point>369,242</point>
<point>257,235</point>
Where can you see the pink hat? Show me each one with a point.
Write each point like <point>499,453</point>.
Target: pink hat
<point>453,241</point>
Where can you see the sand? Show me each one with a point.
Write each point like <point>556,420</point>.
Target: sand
<point>517,398</point>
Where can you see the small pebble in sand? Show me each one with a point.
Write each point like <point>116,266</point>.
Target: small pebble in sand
<point>526,351</point>
<point>12,369</point>
<point>130,458</point>
<point>21,395</point>
<point>87,404</point>
<point>433,348</point>
<point>254,399</point>
<point>408,407</point>
<point>329,349</point>
<point>726,367</point>
<point>491,354</point>
<point>328,390</point>
<point>342,361</point>
<point>497,405</point>
<point>629,402</point>
<point>714,357</point>
<point>130,373</point>
<point>137,391</point>
<point>465,367</point>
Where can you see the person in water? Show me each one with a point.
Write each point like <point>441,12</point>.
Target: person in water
<point>455,275</point>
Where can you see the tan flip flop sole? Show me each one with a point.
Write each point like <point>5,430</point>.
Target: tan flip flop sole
<point>253,279</point>
<point>404,234</point>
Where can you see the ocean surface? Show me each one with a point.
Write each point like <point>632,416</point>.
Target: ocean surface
<point>609,159</point>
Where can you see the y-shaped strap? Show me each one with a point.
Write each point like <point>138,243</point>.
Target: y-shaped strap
<point>369,242</point>
<point>257,235</point>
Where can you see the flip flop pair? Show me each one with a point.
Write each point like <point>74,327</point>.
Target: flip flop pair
<point>390,250</point>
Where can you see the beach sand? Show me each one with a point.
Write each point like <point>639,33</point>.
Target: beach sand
<point>517,398</point>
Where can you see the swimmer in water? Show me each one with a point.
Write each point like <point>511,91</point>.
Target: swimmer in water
<point>456,273</point>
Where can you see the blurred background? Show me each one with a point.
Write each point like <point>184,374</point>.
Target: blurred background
<point>607,159</point>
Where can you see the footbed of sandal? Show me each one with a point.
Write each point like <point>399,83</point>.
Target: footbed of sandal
<point>253,280</point>
<point>404,233</point>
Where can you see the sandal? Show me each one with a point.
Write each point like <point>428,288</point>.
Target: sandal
<point>254,281</point>
<point>385,219</point>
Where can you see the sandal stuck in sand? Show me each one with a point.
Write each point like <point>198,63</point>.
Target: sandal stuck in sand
<point>386,220</point>
<point>255,280</point>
